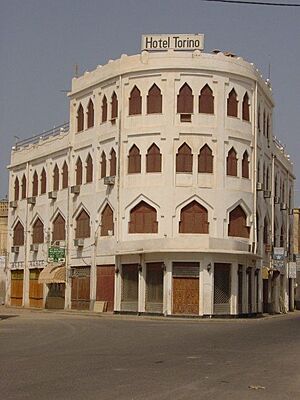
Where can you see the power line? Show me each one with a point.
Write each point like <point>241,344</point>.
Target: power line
<point>257,3</point>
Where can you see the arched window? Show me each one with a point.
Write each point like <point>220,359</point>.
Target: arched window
<point>206,100</point>
<point>56,178</point>
<point>184,159</point>
<point>185,100</point>
<point>104,109</point>
<point>89,169</point>
<point>258,118</point>
<point>205,160</point>
<point>59,228</point>
<point>245,114</point>
<point>38,232</point>
<point>232,104</point>
<point>232,163</point>
<point>268,127</point>
<point>154,100</point>
<point>193,219</point>
<point>43,182</point>
<point>112,163</point>
<point>238,223</point>
<point>103,165</point>
<point>267,179</point>
<point>245,165</point>
<point>83,229</point>
<point>134,160</point>
<point>264,123</point>
<point>80,118</point>
<point>18,238</point>
<point>35,184</point>
<point>114,106</point>
<point>153,159</point>
<point>258,171</point>
<point>65,175</point>
<point>143,219</point>
<point>266,232</point>
<point>107,221</point>
<point>135,102</point>
<point>24,184</point>
<point>90,114</point>
<point>282,237</point>
<point>16,189</point>
<point>78,171</point>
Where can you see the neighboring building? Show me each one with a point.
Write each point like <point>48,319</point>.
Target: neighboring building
<point>3,247</point>
<point>168,192</point>
<point>296,212</point>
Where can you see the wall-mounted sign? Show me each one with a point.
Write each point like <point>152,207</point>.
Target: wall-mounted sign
<point>292,270</point>
<point>173,41</point>
<point>278,253</point>
<point>56,254</point>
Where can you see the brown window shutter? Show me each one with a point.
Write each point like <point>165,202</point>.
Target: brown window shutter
<point>113,163</point>
<point>134,160</point>
<point>24,183</point>
<point>80,119</point>
<point>193,219</point>
<point>79,171</point>
<point>56,178</point>
<point>268,127</point>
<point>153,159</point>
<point>114,106</point>
<point>264,123</point>
<point>107,222</point>
<point>184,159</point>
<point>35,184</point>
<point>135,102</point>
<point>205,160</point>
<point>43,182</point>
<point>143,219</point>
<point>206,100</point>
<point>258,118</point>
<point>282,237</point>
<point>103,165</point>
<point>90,114</point>
<point>266,232</point>
<point>38,232</point>
<point>238,223</point>
<point>154,100</point>
<point>104,109</point>
<point>89,169</point>
<point>246,116</point>
<point>245,165</point>
<point>65,176</point>
<point>232,104</point>
<point>59,228</point>
<point>18,238</point>
<point>16,189</point>
<point>185,100</point>
<point>83,229</point>
<point>232,163</point>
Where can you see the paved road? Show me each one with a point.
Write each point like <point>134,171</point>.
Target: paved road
<point>62,356</point>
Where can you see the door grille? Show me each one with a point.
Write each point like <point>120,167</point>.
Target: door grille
<point>222,289</point>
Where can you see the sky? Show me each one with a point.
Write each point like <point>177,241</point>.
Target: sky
<point>42,40</point>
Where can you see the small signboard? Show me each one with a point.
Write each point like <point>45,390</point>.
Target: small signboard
<point>292,270</point>
<point>160,42</point>
<point>298,262</point>
<point>278,253</point>
<point>56,254</point>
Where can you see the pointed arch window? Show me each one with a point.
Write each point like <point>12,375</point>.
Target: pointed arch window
<point>143,219</point>
<point>134,160</point>
<point>205,160</point>
<point>246,107</point>
<point>135,102</point>
<point>90,114</point>
<point>18,237</point>
<point>154,100</point>
<point>258,171</point>
<point>267,179</point>
<point>107,221</point>
<point>35,184</point>
<point>24,184</point>
<point>59,228</point>
<point>80,118</point>
<point>78,176</point>
<point>16,189</point>
<point>245,165</point>
<point>232,163</point>
<point>89,169</point>
<point>103,165</point>
<point>56,178</point>
<point>104,109</point>
<point>184,159</point>
<point>38,232</point>
<point>268,127</point>
<point>185,100</point>
<point>43,182</point>
<point>266,232</point>
<point>232,104</point>
<point>114,106</point>
<point>282,237</point>
<point>83,229</point>
<point>238,223</point>
<point>112,163</point>
<point>264,123</point>
<point>193,219</point>
<point>258,118</point>
<point>206,100</point>
<point>153,159</point>
<point>65,175</point>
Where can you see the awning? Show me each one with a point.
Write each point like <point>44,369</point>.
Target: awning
<point>53,273</point>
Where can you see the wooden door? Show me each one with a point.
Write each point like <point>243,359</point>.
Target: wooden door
<point>222,290</point>
<point>129,300</point>
<point>16,294</point>
<point>154,287</point>
<point>106,285</point>
<point>186,288</point>
<point>35,289</point>
<point>80,291</point>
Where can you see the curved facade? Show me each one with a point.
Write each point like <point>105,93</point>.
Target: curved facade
<point>168,190</point>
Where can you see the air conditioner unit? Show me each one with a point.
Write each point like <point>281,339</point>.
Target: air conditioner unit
<point>52,195</point>
<point>276,200</point>
<point>75,189</point>
<point>78,242</point>
<point>13,204</point>
<point>31,200</point>
<point>62,243</point>
<point>259,186</point>
<point>15,249</point>
<point>283,206</point>
<point>34,247</point>
<point>109,180</point>
<point>110,232</point>
<point>267,194</point>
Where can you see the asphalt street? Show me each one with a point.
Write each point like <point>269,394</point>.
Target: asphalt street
<point>52,355</point>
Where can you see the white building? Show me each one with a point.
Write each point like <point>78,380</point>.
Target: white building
<point>167,190</point>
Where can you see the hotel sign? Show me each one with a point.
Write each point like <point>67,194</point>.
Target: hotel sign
<point>173,41</point>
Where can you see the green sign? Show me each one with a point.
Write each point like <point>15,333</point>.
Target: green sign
<point>56,254</point>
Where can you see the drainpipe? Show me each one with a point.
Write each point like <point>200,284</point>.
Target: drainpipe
<point>272,205</point>
<point>254,128</point>
<point>68,242</point>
